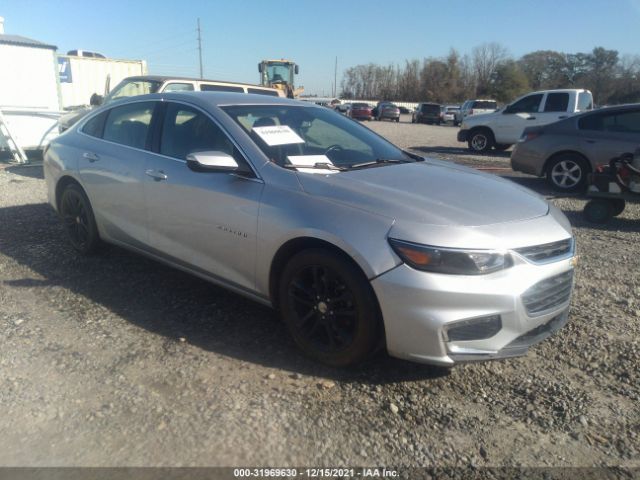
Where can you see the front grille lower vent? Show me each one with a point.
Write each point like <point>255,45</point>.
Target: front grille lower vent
<point>548,294</point>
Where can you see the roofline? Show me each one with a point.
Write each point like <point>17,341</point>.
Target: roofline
<point>163,78</point>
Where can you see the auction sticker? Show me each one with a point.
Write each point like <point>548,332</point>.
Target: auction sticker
<point>278,135</point>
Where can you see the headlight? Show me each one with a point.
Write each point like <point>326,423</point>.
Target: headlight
<point>450,260</point>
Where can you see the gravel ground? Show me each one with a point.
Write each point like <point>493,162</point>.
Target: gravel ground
<point>116,360</point>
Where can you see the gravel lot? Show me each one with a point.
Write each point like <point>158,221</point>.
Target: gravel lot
<point>116,360</point>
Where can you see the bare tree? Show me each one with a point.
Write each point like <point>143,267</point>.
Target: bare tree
<point>486,59</point>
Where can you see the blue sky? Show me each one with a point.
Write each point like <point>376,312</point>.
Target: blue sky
<point>237,34</point>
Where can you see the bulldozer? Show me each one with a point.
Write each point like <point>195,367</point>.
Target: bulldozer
<point>279,74</point>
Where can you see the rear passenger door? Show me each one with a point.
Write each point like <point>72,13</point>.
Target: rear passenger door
<point>112,168</point>
<point>556,107</point>
<point>206,221</point>
<point>605,135</point>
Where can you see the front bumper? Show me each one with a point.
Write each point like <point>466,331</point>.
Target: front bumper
<point>417,308</point>
<point>462,135</point>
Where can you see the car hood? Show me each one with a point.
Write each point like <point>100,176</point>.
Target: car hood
<point>429,192</point>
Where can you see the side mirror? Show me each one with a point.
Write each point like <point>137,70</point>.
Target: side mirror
<point>96,100</point>
<point>296,69</point>
<point>212,161</point>
<point>260,67</point>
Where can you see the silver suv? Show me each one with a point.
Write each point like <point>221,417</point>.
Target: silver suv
<point>358,244</point>
<point>474,107</point>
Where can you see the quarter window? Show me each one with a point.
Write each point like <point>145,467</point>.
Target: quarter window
<point>179,87</point>
<point>624,122</point>
<point>129,124</point>
<point>208,87</point>
<point>186,130</point>
<point>95,126</point>
<point>260,91</point>
<point>557,102</point>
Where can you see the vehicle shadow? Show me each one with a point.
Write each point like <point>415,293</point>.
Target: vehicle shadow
<point>460,151</point>
<point>171,303</point>
<point>28,170</point>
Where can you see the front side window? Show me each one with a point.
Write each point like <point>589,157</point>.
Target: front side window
<point>186,130</point>
<point>179,87</point>
<point>320,134</point>
<point>529,104</point>
<point>621,122</point>
<point>129,124</point>
<point>557,102</point>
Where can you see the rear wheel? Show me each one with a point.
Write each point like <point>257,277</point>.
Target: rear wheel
<point>79,222</point>
<point>329,307</point>
<point>567,172</point>
<point>480,140</point>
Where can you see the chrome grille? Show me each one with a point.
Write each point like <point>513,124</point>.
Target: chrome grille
<point>548,294</point>
<point>547,252</point>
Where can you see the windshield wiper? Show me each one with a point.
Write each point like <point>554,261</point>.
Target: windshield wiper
<point>317,165</point>
<point>378,161</point>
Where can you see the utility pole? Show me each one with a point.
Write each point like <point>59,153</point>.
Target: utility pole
<point>200,48</point>
<point>335,79</point>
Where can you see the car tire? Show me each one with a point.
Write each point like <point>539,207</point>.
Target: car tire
<point>315,285</point>
<point>398,120</point>
<point>617,206</point>
<point>567,172</point>
<point>598,211</point>
<point>501,147</point>
<point>78,220</point>
<point>480,140</point>
<point>455,123</point>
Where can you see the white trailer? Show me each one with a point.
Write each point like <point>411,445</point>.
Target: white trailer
<point>81,77</point>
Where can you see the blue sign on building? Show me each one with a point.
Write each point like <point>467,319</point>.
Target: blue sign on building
<point>64,70</point>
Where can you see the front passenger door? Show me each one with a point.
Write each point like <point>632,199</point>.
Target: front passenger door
<point>516,117</point>
<point>204,220</point>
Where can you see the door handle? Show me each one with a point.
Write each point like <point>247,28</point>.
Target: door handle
<point>157,176</point>
<point>531,118</point>
<point>92,157</point>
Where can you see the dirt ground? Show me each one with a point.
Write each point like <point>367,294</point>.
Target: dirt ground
<point>116,360</point>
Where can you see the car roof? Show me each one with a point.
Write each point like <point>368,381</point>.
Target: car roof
<point>165,78</point>
<point>614,108</point>
<point>218,99</point>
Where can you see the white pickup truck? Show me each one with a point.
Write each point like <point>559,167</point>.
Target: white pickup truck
<point>503,128</point>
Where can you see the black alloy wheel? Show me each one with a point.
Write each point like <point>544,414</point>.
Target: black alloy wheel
<point>329,307</point>
<point>78,220</point>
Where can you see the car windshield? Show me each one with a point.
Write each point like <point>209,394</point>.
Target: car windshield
<point>131,88</point>
<point>292,135</point>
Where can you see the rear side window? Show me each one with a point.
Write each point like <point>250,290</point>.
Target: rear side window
<point>585,101</point>
<point>622,122</point>
<point>557,102</point>
<point>259,91</point>
<point>431,108</point>
<point>207,87</point>
<point>485,104</point>
<point>179,87</point>
<point>129,124</point>
<point>186,130</point>
<point>95,126</point>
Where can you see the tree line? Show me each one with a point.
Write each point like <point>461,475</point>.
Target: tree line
<point>489,71</point>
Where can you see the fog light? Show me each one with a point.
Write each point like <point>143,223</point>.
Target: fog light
<point>473,329</point>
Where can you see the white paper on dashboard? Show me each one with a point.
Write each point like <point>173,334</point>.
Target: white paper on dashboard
<point>278,135</point>
<point>309,161</point>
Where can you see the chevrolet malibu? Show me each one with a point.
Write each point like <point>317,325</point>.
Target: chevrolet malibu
<point>359,245</point>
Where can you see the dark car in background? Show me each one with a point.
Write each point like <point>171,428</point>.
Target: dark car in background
<point>427,113</point>
<point>567,151</point>
<point>361,111</point>
<point>386,110</point>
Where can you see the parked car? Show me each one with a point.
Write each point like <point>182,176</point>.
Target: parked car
<point>404,110</point>
<point>144,84</point>
<point>568,150</point>
<point>344,108</point>
<point>356,243</point>
<point>474,107</point>
<point>361,111</point>
<point>427,113</point>
<point>449,113</point>
<point>386,110</point>
<point>503,128</point>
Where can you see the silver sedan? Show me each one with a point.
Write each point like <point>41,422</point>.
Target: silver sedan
<point>359,245</point>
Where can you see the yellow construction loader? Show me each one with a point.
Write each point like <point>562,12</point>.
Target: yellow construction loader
<point>279,74</point>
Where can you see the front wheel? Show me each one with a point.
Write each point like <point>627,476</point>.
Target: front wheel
<point>79,222</point>
<point>567,173</point>
<point>329,308</point>
<point>480,141</point>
